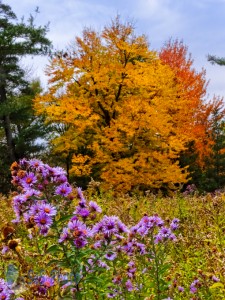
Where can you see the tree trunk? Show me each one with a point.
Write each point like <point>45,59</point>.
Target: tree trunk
<point>9,138</point>
<point>7,126</point>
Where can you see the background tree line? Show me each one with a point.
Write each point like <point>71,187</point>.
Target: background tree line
<point>115,110</point>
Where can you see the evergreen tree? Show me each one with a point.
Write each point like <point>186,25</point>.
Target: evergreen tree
<point>19,128</point>
<point>216,60</point>
<point>214,176</point>
<point>29,131</point>
<point>17,39</point>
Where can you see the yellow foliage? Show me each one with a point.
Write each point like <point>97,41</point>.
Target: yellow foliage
<point>124,110</point>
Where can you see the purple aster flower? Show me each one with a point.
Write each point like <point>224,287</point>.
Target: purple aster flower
<point>4,295</point>
<point>32,192</point>
<point>172,237</point>
<point>64,235</point>
<point>131,264</point>
<point>97,245</point>
<point>80,194</point>
<point>193,286</point>
<point>111,256</point>
<point>94,207</point>
<point>24,162</point>
<point>60,179</point>
<point>57,171</point>
<point>131,269</point>
<point>122,228</point>
<point>128,248</point>
<point>117,280</point>
<point>19,199</point>
<point>29,180</point>
<point>129,285</point>
<point>158,238</point>
<point>77,231</point>
<point>180,289</point>
<point>44,171</point>
<point>165,232</point>
<point>35,163</point>
<point>109,226</point>
<point>74,218</point>
<point>91,262</point>
<point>146,224</point>
<point>102,264</point>
<point>80,242</point>
<point>174,224</point>
<point>82,203</point>
<point>44,230</point>
<point>47,281</point>
<point>193,289</point>
<point>5,249</point>
<point>42,290</point>
<point>141,248</point>
<point>78,228</point>
<point>83,212</point>
<point>111,295</point>
<point>63,190</point>
<point>5,290</point>
<point>215,279</point>
<point>142,230</point>
<point>34,209</point>
<point>131,272</point>
<point>48,209</point>
<point>43,220</point>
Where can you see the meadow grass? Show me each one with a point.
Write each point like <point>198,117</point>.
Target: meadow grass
<point>198,254</point>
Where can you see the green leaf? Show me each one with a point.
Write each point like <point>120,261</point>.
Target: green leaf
<point>217,285</point>
<point>53,249</point>
<point>64,218</point>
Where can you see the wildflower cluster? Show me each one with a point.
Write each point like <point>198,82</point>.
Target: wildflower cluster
<point>42,284</point>
<point>85,243</point>
<point>190,189</point>
<point>38,184</point>
<point>6,293</point>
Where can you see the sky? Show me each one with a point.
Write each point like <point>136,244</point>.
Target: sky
<point>200,24</point>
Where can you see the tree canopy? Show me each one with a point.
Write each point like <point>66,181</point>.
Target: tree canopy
<point>127,111</point>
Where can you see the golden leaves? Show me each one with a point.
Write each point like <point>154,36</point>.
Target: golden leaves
<point>129,113</point>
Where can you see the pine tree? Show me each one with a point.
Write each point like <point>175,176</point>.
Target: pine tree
<point>17,39</point>
<point>216,60</point>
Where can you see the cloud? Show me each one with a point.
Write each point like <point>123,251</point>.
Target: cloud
<point>160,20</point>
<point>200,23</point>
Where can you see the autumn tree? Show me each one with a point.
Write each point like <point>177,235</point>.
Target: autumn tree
<point>195,119</point>
<point>200,117</point>
<point>212,176</point>
<point>123,110</point>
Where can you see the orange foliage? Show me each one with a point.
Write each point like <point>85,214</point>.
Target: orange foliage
<point>195,118</point>
<point>128,112</point>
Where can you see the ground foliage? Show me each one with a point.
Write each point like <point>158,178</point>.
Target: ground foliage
<point>196,258</point>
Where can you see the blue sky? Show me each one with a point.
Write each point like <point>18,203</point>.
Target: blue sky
<point>199,23</point>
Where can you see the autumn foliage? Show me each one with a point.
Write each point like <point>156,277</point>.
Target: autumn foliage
<point>126,112</point>
<point>196,118</point>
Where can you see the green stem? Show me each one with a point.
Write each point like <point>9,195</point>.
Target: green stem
<point>156,262</point>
